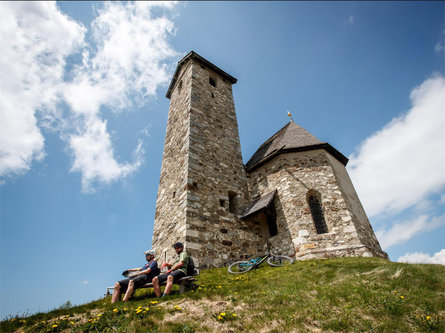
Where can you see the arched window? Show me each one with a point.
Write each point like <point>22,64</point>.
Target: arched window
<point>317,213</point>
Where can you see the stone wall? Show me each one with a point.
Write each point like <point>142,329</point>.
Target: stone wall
<point>294,175</point>
<point>216,174</point>
<point>170,215</point>
<point>203,182</point>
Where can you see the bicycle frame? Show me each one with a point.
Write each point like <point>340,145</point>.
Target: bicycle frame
<point>258,261</point>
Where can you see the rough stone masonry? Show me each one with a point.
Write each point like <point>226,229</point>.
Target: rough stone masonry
<point>292,197</point>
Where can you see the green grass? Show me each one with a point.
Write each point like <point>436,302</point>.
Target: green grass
<point>333,295</point>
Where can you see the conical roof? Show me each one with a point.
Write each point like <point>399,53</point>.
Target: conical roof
<point>291,137</point>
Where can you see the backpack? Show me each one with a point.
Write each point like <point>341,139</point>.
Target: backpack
<point>190,267</point>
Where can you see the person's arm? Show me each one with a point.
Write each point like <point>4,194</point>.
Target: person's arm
<point>135,269</point>
<point>124,273</point>
<point>166,264</point>
<point>148,270</point>
<point>175,267</point>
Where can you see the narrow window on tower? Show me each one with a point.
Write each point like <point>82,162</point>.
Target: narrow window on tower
<point>232,202</point>
<point>317,212</point>
<point>180,85</point>
<point>212,82</point>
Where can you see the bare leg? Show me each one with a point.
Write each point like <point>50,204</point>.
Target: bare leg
<point>169,285</point>
<point>129,291</point>
<point>156,287</point>
<point>116,293</point>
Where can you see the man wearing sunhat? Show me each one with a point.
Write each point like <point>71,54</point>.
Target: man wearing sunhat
<point>138,277</point>
<point>176,271</point>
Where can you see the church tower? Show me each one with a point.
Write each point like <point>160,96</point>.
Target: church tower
<point>203,183</point>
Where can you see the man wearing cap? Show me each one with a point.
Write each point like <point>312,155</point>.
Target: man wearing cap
<point>176,271</point>
<point>141,276</point>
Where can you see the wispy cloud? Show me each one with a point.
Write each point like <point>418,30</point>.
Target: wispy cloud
<point>85,282</point>
<point>400,232</point>
<point>351,19</point>
<point>400,165</point>
<point>36,39</point>
<point>129,65</point>
<point>423,258</point>
<point>125,63</point>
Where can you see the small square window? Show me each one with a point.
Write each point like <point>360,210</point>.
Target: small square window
<point>222,202</point>
<point>212,82</point>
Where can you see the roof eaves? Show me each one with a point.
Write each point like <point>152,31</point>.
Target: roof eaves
<point>250,211</point>
<point>203,61</point>
<point>326,146</point>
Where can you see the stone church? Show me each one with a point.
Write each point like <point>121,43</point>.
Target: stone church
<point>293,197</point>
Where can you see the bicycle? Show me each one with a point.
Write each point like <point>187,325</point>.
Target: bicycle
<point>240,267</point>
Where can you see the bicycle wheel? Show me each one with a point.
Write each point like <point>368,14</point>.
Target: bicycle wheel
<point>279,260</point>
<point>240,267</point>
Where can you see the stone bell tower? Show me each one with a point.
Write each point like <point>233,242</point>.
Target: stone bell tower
<point>203,182</point>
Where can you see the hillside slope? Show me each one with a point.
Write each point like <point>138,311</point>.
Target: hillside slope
<point>332,295</point>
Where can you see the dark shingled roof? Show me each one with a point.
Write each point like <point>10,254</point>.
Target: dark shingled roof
<point>205,62</point>
<point>259,204</point>
<point>290,138</point>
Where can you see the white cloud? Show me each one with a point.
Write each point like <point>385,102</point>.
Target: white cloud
<point>35,40</point>
<point>351,19</point>
<point>400,165</point>
<point>423,258</point>
<point>125,64</point>
<point>402,231</point>
<point>85,282</point>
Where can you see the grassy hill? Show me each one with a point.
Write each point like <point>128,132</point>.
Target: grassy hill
<point>333,295</point>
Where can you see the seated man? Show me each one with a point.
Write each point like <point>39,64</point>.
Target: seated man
<point>176,271</point>
<point>144,275</point>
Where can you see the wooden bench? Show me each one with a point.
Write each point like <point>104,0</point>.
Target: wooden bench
<point>184,283</point>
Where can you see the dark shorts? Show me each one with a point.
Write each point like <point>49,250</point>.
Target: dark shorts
<point>139,281</point>
<point>176,276</point>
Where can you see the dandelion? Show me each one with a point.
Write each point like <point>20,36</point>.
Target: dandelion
<point>125,309</point>
<point>54,326</point>
<point>43,322</point>
<point>115,310</point>
<point>99,315</point>
<point>223,314</point>
<point>72,322</point>
<point>428,317</point>
<point>234,314</point>
<point>402,297</point>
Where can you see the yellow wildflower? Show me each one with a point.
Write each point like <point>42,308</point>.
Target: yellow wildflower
<point>99,315</point>
<point>402,297</point>
<point>234,314</point>
<point>72,322</point>
<point>222,313</point>
<point>428,317</point>
<point>54,326</point>
<point>43,322</point>
<point>125,309</point>
<point>115,310</point>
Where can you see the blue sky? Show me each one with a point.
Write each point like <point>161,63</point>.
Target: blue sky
<point>83,116</point>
